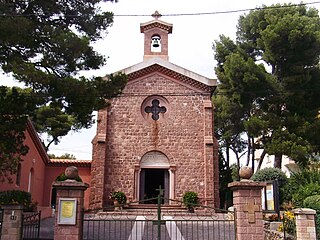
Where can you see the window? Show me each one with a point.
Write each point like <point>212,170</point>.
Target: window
<point>18,175</point>
<point>30,180</point>
<point>156,43</point>
<point>155,108</point>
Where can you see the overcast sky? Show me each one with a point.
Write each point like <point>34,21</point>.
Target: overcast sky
<point>190,44</point>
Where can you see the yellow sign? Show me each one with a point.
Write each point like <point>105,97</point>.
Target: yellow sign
<point>67,211</point>
<point>270,197</point>
<point>67,208</point>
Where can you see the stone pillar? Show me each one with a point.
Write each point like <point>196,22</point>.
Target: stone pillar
<point>248,209</point>
<point>12,222</point>
<point>98,165</point>
<point>305,223</point>
<point>69,189</point>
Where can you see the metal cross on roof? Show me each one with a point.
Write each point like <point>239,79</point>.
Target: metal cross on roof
<point>156,15</point>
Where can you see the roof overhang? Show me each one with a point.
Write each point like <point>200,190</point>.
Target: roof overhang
<point>169,68</point>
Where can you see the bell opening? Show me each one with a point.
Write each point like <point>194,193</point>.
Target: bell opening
<point>155,44</point>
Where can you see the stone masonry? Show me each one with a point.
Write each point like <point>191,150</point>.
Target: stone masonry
<point>305,223</point>
<point>248,210</point>
<point>182,132</point>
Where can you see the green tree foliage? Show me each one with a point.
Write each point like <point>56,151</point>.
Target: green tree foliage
<point>64,156</point>
<point>225,177</point>
<point>270,79</point>
<point>303,184</point>
<point>46,45</point>
<point>15,106</point>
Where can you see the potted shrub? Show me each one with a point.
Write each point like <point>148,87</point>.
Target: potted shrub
<point>119,198</point>
<point>190,199</point>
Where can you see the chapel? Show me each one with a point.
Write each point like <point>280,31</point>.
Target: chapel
<point>158,132</point>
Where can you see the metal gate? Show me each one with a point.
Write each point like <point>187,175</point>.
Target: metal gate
<point>1,221</point>
<point>161,223</point>
<point>31,225</point>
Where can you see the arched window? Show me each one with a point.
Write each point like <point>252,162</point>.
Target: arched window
<point>30,180</point>
<point>18,175</point>
<point>156,43</point>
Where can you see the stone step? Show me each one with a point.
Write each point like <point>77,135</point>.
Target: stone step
<point>146,208</point>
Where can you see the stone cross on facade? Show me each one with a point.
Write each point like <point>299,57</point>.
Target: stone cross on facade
<point>155,109</point>
<point>251,208</point>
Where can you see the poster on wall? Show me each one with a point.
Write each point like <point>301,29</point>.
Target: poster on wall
<point>270,197</point>
<point>67,211</point>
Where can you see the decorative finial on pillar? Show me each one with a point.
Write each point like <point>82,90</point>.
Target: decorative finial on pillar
<point>156,15</point>
<point>71,172</point>
<point>245,173</point>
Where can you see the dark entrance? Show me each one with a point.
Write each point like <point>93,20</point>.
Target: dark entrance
<point>150,180</point>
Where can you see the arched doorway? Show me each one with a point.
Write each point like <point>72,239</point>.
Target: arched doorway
<point>154,173</point>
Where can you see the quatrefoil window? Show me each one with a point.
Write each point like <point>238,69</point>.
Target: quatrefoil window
<point>155,109</point>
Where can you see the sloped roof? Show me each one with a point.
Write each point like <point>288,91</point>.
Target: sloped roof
<point>37,142</point>
<point>43,153</point>
<point>170,69</point>
<point>156,23</point>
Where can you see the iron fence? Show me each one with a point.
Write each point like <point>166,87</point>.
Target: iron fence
<point>160,223</point>
<point>31,225</point>
<point>1,221</point>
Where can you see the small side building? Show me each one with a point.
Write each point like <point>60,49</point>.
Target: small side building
<point>36,173</point>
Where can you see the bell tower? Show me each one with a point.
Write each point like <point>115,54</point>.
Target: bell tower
<point>156,37</point>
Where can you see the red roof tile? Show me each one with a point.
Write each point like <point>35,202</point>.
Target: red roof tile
<point>70,162</point>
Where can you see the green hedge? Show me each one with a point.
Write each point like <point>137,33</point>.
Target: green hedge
<point>16,197</point>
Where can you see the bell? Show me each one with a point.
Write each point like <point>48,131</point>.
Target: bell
<point>155,43</point>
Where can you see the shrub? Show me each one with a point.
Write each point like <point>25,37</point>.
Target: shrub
<point>190,198</point>
<point>300,180</point>
<point>314,203</point>
<point>62,177</point>
<point>119,196</point>
<point>305,191</point>
<point>16,197</point>
<point>269,174</point>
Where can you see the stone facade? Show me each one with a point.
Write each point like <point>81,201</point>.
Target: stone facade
<point>159,130</point>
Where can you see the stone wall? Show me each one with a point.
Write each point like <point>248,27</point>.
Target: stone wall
<point>184,133</point>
